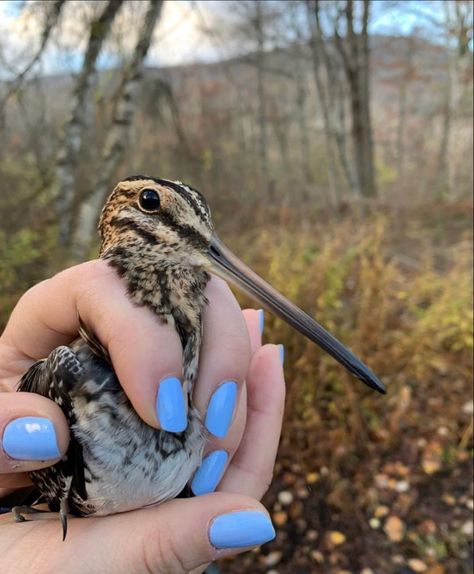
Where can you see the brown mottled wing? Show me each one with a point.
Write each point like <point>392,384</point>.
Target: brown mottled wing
<point>54,378</point>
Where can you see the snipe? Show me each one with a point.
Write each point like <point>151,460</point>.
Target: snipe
<point>159,237</point>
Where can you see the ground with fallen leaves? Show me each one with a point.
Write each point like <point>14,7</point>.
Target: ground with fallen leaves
<point>409,517</point>
<point>370,484</point>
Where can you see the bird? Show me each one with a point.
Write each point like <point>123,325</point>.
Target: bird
<point>158,235</point>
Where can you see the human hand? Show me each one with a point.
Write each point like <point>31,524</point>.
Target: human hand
<point>179,535</point>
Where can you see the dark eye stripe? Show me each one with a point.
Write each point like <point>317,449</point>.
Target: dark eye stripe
<point>193,197</point>
<point>184,231</point>
<point>127,223</point>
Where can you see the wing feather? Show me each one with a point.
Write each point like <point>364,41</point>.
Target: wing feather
<point>33,381</point>
<point>54,378</point>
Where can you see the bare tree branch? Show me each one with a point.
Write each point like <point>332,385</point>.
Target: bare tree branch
<point>52,18</point>
<point>74,128</point>
<point>118,136</point>
<point>331,89</point>
<point>355,54</point>
<point>258,24</point>
<point>174,107</point>
<point>320,55</point>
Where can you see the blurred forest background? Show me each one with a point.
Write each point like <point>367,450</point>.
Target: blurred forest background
<point>334,142</point>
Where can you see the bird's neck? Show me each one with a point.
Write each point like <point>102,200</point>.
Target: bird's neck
<point>170,286</point>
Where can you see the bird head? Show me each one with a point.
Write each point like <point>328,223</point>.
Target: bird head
<point>170,217</point>
<point>173,220</point>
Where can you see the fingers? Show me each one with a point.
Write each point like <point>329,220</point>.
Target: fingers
<point>144,351</point>
<point>34,434</point>
<point>219,450</point>
<point>243,462</point>
<point>251,469</point>
<point>177,537</point>
<point>224,359</point>
<point>146,354</point>
<point>255,322</point>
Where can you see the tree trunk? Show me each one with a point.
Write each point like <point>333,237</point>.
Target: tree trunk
<point>118,136</point>
<point>402,106</point>
<point>74,128</point>
<point>280,126</point>
<point>261,98</point>
<point>319,56</point>
<point>443,176</point>
<point>457,20</point>
<point>340,135</point>
<point>354,50</point>
<point>301,97</point>
<point>332,95</point>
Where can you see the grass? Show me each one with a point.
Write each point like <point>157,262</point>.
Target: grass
<point>399,293</point>
<point>396,287</point>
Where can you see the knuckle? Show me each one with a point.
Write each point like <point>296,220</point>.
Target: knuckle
<point>218,285</point>
<point>32,294</point>
<point>94,271</point>
<point>258,479</point>
<point>265,482</point>
<point>237,346</point>
<point>96,281</point>
<point>164,556</point>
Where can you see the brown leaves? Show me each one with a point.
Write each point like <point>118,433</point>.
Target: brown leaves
<point>280,518</point>
<point>285,497</point>
<point>417,565</point>
<point>394,529</point>
<point>271,559</point>
<point>372,501</point>
<point>336,538</point>
<point>431,458</point>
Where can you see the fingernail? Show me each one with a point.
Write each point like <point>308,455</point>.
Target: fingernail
<point>261,320</point>
<point>241,529</point>
<point>209,474</point>
<point>30,438</point>
<point>281,350</point>
<point>170,405</point>
<point>221,409</point>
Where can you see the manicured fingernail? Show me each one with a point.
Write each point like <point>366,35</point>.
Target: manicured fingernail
<point>170,405</point>
<point>261,320</point>
<point>281,350</point>
<point>209,474</point>
<point>221,409</point>
<point>241,529</point>
<point>30,438</point>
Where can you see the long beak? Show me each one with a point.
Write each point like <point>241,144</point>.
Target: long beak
<point>229,267</point>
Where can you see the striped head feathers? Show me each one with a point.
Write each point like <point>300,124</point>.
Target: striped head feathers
<point>168,217</point>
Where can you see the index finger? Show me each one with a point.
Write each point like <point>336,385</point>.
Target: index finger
<point>251,469</point>
<point>143,350</point>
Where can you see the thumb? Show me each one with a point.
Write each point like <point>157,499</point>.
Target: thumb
<point>177,537</point>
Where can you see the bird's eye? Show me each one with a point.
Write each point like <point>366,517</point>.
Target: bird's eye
<point>149,200</point>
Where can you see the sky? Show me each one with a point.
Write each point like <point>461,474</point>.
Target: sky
<point>178,39</point>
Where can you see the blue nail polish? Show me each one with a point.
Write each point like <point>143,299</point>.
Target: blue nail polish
<point>209,474</point>
<point>170,405</point>
<point>281,350</point>
<point>241,529</point>
<point>30,438</point>
<point>221,409</point>
<point>261,320</point>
